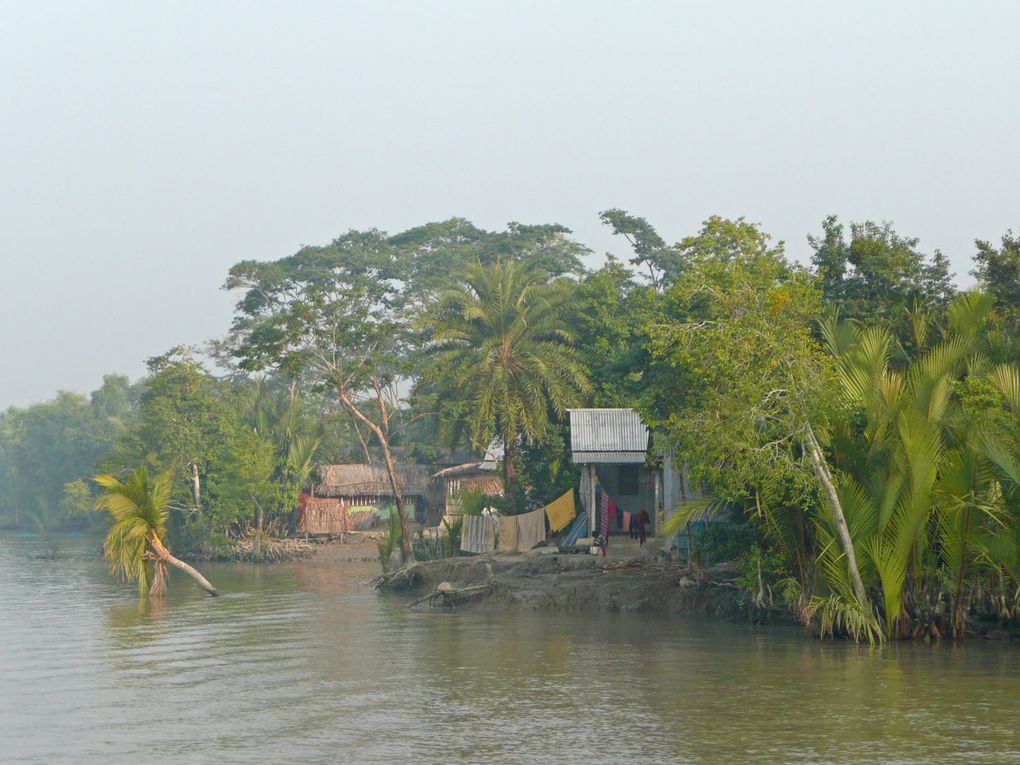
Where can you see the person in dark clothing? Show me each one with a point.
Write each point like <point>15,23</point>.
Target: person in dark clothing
<point>633,526</point>
<point>642,522</point>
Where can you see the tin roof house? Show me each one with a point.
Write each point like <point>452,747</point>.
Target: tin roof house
<point>616,449</point>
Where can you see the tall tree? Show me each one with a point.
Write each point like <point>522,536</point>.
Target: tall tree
<point>651,254</point>
<point>877,274</point>
<point>998,273</point>
<point>332,314</point>
<point>756,387</point>
<point>430,254</point>
<point>501,352</point>
<point>183,413</point>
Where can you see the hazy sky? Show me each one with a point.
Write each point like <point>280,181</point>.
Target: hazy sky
<point>145,147</point>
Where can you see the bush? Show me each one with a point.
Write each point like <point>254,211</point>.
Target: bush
<point>722,542</point>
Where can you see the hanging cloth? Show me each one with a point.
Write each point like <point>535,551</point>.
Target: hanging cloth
<point>530,529</point>
<point>561,511</point>
<point>507,534</point>
<point>578,529</point>
<point>477,535</point>
<point>604,503</point>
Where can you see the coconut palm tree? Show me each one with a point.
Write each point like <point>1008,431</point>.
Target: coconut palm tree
<point>500,356</point>
<point>134,547</point>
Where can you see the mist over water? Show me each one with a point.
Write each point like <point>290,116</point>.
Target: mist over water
<point>301,662</point>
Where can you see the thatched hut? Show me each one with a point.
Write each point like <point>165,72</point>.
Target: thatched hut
<point>366,488</point>
<point>324,516</point>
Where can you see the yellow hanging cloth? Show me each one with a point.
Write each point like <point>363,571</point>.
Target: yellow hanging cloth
<point>561,511</point>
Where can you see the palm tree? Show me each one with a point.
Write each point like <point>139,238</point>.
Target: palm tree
<point>922,482</point>
<point>501,356</point>
<point>134,545</point>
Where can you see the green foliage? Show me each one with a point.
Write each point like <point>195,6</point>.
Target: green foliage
<point>877,275</point>
<point>139,508</point>
<point>651,254</point>
<point>390,541</point>
<point>429,255</point>
<point>243,480</point>
<point>610,315</point>
<point>77,499</point>
<point>545,468</point>
<point>451,539</point>
<point>471,500</point>
<point>748,371</point>
<point>998,273</point>
<point>46,446</point>
<point>722,542</point>
<point>500,359</point>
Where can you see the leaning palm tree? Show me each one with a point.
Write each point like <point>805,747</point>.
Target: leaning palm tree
<point>134,545</point>
<point>501,358</point>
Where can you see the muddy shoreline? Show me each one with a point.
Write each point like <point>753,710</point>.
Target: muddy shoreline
<point>563,582</point>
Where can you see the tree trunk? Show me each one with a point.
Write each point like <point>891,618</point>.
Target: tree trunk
<point>164,555</point>
<point>391,470</point>
<point>957,629</point>
<point>364,445</point>
<point>842,530</point>
<point>405,528</point>
<point>509,475</point>
<point>196,487</point>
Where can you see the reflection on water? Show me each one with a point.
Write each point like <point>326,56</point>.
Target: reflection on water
<point>302,663</point>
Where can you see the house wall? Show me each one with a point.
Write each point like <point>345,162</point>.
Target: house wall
<point>677,489</point>
<point>644,499</point>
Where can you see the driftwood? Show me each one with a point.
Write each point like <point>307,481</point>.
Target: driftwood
<point>404,578</point>
<point>449,596</point>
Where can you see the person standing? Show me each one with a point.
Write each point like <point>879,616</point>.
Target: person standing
<point>643,520</point>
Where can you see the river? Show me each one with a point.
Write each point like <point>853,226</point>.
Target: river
<point>301,663</point>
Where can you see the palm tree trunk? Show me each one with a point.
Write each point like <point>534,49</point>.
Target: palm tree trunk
<point>842,530</point>
<point>164,555</point>
<point>509,475</point>
<point>957,627</point>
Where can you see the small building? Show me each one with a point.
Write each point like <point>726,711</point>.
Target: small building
<point>614,447</point>
<point>366,488</point>
<point>611,446</point>
<point>481,475</point>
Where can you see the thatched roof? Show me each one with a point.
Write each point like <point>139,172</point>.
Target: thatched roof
<point>360,480</point>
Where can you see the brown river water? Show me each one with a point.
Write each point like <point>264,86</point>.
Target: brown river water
<point>301,663</point>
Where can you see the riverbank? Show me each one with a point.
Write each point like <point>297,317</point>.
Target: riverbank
<point>577,583</point>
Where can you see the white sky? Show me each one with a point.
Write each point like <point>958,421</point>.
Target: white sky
<point>147,146</point>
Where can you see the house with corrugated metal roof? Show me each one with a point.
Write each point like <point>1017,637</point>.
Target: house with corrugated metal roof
<point>616,451</point>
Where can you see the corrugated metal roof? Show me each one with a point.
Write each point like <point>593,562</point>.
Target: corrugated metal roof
<point>607,435</point>
<point>581,458</point>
